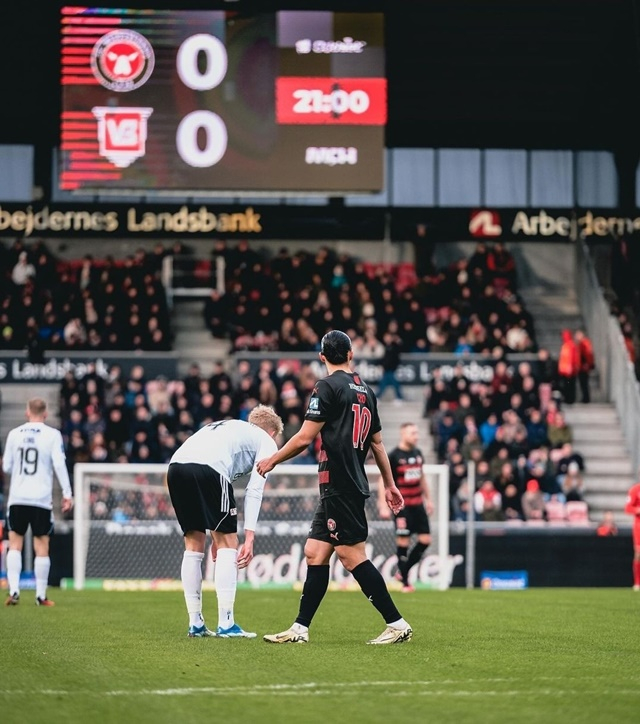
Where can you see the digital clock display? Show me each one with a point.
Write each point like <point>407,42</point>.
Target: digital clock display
<point>218,101</point>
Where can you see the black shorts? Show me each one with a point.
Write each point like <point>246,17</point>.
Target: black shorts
<point>340,520</point>
<point>20,517</point>
<point>412,519</point>
<point>202,499</point>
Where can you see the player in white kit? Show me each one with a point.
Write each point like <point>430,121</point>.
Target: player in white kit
<point>200,479</point>
<point>33,452</point>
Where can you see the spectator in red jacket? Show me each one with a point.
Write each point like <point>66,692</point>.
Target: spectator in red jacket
<point>568,366</point>
<point>586,362</point>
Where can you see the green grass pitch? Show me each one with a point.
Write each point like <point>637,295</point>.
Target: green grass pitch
<point>542,655</point>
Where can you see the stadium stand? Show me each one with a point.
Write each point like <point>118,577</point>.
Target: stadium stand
<point>84,304</point>
<point>289,302</point>
<point>133,419</point>
<point>514,430</point>
<point>513,427</point>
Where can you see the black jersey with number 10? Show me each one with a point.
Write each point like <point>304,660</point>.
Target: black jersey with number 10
<point>349,410</point>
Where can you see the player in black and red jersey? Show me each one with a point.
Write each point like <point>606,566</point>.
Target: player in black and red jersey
<point>344,410</point>
<point>406,465</point>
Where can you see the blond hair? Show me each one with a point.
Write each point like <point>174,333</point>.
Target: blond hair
<point>37,406</point>
<point>267,418</point>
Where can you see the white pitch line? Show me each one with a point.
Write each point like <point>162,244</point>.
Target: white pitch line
<point>458,693</point>
<point>402,688</point>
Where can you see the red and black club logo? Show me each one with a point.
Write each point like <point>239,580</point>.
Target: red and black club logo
<point>122,60</point>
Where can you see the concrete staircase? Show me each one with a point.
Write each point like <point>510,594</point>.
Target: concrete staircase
<point>609,473</point>
<point>555,309</point>
<point>193,341</point>
<point>393,414</point>
<point>597,434</point>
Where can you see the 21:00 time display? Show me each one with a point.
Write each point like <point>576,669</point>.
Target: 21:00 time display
<point>337,101</point>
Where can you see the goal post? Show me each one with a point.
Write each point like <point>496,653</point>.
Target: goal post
<point>126,535</point>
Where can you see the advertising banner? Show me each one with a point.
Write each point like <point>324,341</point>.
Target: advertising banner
<point>513,224</point>
<point>152,551</point>
<point>414,369</point>
<point>18,369</point>
<point>189,221</point>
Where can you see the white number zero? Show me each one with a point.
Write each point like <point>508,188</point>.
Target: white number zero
<point>187,62</point>
<point>187,139</point>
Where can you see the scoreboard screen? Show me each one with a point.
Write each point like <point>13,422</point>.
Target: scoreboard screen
<point>218,101</point>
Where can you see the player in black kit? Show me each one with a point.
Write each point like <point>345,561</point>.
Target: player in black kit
<point>406,464</point>
<point>344,410</point>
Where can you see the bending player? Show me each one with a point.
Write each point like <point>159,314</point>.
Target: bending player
<point>633,508</point>
<point>33,451</point>
<point>344,411</point>
<point>200,475</point>
<point>406,465</point>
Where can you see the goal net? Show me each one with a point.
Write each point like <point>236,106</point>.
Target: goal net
<point>126,535</point>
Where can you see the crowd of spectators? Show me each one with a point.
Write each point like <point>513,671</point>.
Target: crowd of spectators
<point>131,419</point>
<point>514,430</point>
<point>288,302</point>
<point>88,304</point>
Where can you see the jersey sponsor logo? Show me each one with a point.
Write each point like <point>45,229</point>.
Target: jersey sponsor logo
<point>314,403</point>
<point>122,60</point>
<point>122,133</point>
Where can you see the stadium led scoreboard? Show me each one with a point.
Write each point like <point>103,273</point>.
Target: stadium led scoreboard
<point>219,101</point>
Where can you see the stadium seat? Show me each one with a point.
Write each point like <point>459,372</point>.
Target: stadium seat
<point>577,512</point>
<point>556,511</point>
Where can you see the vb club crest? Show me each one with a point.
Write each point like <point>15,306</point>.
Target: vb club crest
<point>122,133</point>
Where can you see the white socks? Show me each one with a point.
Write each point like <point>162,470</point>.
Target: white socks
<point>400,624</point>
<point>41,567</point>
<point>191,574</point>
<point>226,581</point>
<point>14,569</point>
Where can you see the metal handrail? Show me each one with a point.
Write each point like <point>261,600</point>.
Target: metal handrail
<point>617,373</point>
